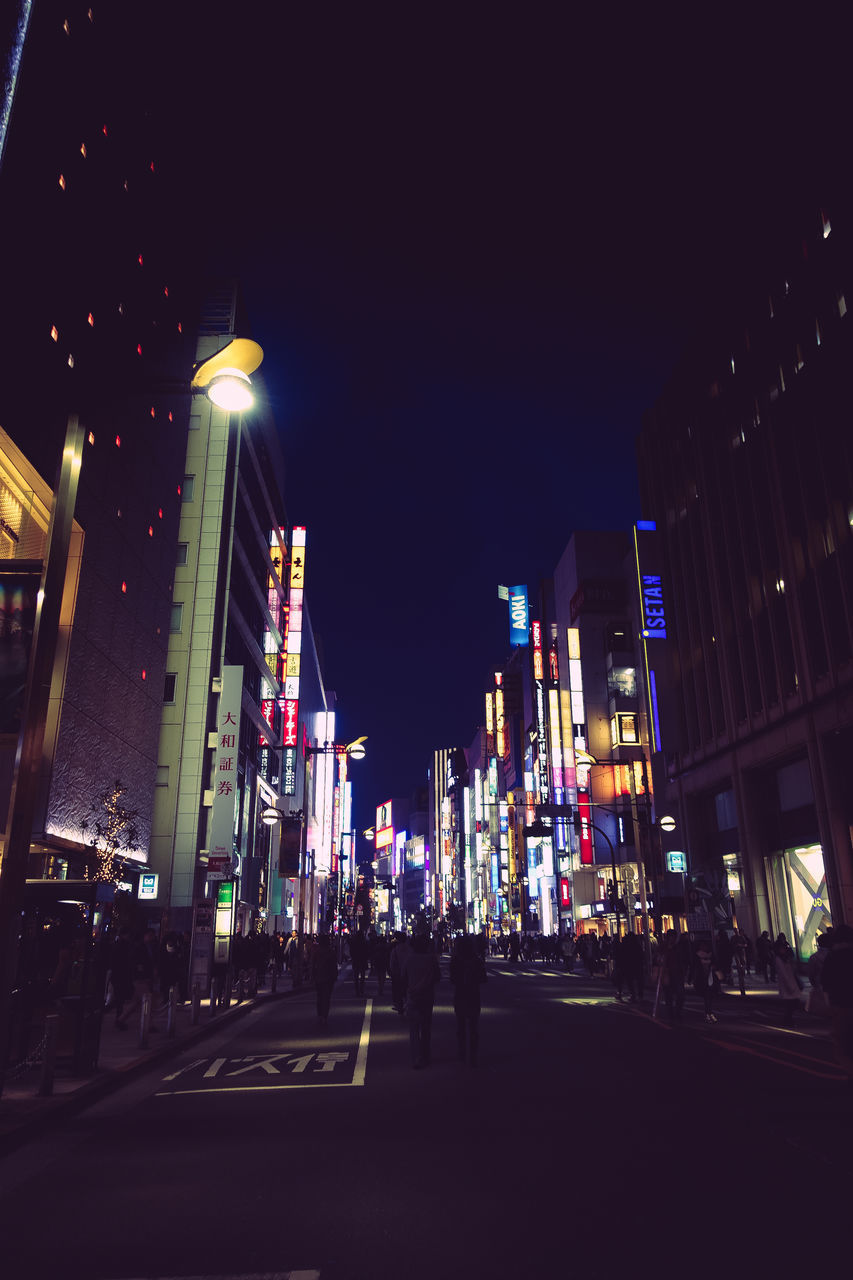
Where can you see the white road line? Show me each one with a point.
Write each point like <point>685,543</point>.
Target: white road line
<point>361,1060</point>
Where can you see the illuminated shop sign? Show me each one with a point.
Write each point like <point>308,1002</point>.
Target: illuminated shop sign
<point>518,616</point>
<point>654,619</point>
<point>221,830</point>
<point>293,647</point>
<point>384,837</point>
<point>536,627</point>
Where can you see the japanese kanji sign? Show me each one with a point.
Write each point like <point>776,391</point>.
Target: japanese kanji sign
<point>224,776</point>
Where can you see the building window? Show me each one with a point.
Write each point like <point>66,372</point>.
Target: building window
<point>169,685</point>
<point>176,620</point>
<point>188,488</point>
<point>183,550</point>
<point>162,775</point>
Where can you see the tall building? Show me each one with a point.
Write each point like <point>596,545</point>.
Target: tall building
<point>746,470</point>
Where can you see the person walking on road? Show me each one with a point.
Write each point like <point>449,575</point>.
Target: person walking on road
<point>422,975</point>
<point>836,979</point>
<point>787,979</point>
<point>324,974</point>
<point>703,976</point>
<point>379,960</point>
<point>467,973</point>
<point>740,952</point>
<point>396,964</point>
<point>358,956</point>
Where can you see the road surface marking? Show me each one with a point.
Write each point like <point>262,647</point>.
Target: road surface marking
<point>361,1060</point>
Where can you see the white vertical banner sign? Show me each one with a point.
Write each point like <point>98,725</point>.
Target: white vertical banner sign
<point>224,780</point>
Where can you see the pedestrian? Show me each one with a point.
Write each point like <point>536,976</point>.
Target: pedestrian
<point>291,952</point>
<point>816,1002</point>
<point>837,982</point>
<point>144,971</point>
<point>514,947</point>
<point>324,974</point>
<point>422,974</point>
<point>723,957</point>
<point>702,976</point>
<point>380,961</point>
<point>787,979</point>
<point>672,971</point>
<point>631,958</point>
<point>764,957</point>
<point>467,973</point>
<point>740,951</point>
<point>396,964</point>
<point>358,958</point>
<point>121,971</point>
<point>170,968</point>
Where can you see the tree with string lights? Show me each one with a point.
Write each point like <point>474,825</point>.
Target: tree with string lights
<point>110,831</point>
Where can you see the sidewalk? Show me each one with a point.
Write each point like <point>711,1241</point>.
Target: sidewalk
<point>24,1113</point>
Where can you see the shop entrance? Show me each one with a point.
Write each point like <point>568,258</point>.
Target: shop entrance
<point>799,905</point>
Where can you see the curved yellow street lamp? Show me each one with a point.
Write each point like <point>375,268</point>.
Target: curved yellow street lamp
<point>224,377</point>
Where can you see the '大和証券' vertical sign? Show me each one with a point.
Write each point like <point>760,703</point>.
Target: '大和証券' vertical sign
<point>224,781</point>
<point>293,660</point>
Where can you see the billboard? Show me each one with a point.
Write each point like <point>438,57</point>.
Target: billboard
<point>519,617</point>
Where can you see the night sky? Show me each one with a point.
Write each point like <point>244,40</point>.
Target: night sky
<point>474,242</point>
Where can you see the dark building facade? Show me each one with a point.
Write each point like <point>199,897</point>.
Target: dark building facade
<point>99,320</point>
<point>746,470</point>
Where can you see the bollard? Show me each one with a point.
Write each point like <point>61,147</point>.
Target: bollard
<point>145,1020</point>
<point>196,1004</point>
<point>274,982</point>
<point>51,1034</point>
<point>172,1013</point>
<point>214,996</point>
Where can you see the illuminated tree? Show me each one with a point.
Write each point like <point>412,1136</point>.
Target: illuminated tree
<point>110,831</point>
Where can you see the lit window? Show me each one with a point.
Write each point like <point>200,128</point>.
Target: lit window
<point>124,588</point>
<point>118,512</point>
<point>150,531</point>
<point>817,331</point>
<point>118,442</point>
<point>780,586</point>
<point>798,363</point>
<point>151,166</point>
<point>166,290</point>
<point>160,513</point>
<point>171,419</point>
<point>180,327</point>
<point>733,364</point>
<point>827,225</point>
<point>842,305</point>
<point>83,151</point>
<point>772,312</point>
<point>66,27</point>
<point>139,259</point>
<point>91,319</point>
<point>139,348</point>
<point>91,437</point>
<point>70,361</point>
<point>62,181</point>
<point>121,308</point>
<point>153,412</point>
<point>176,619</point>
<point>54,333</point>
<point>104,131</point>
<point>144,674</point>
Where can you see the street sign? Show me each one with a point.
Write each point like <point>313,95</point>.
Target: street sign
<point>218,866</point>
<point>148,882</point>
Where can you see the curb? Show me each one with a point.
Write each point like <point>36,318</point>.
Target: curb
<point>55,1109</point>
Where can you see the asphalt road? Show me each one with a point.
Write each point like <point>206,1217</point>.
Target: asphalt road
<point>591,1136</point>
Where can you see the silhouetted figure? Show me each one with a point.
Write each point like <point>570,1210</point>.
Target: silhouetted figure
<point>324,974</point>
<point>421,974</point>
<point>467,973</point>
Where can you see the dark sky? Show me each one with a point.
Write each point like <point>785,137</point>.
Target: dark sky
<point>474,242</point>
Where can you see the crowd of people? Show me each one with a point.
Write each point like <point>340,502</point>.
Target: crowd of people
<point>662,970</point>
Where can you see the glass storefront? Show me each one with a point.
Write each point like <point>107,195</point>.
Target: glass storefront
<point>796,882</point>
